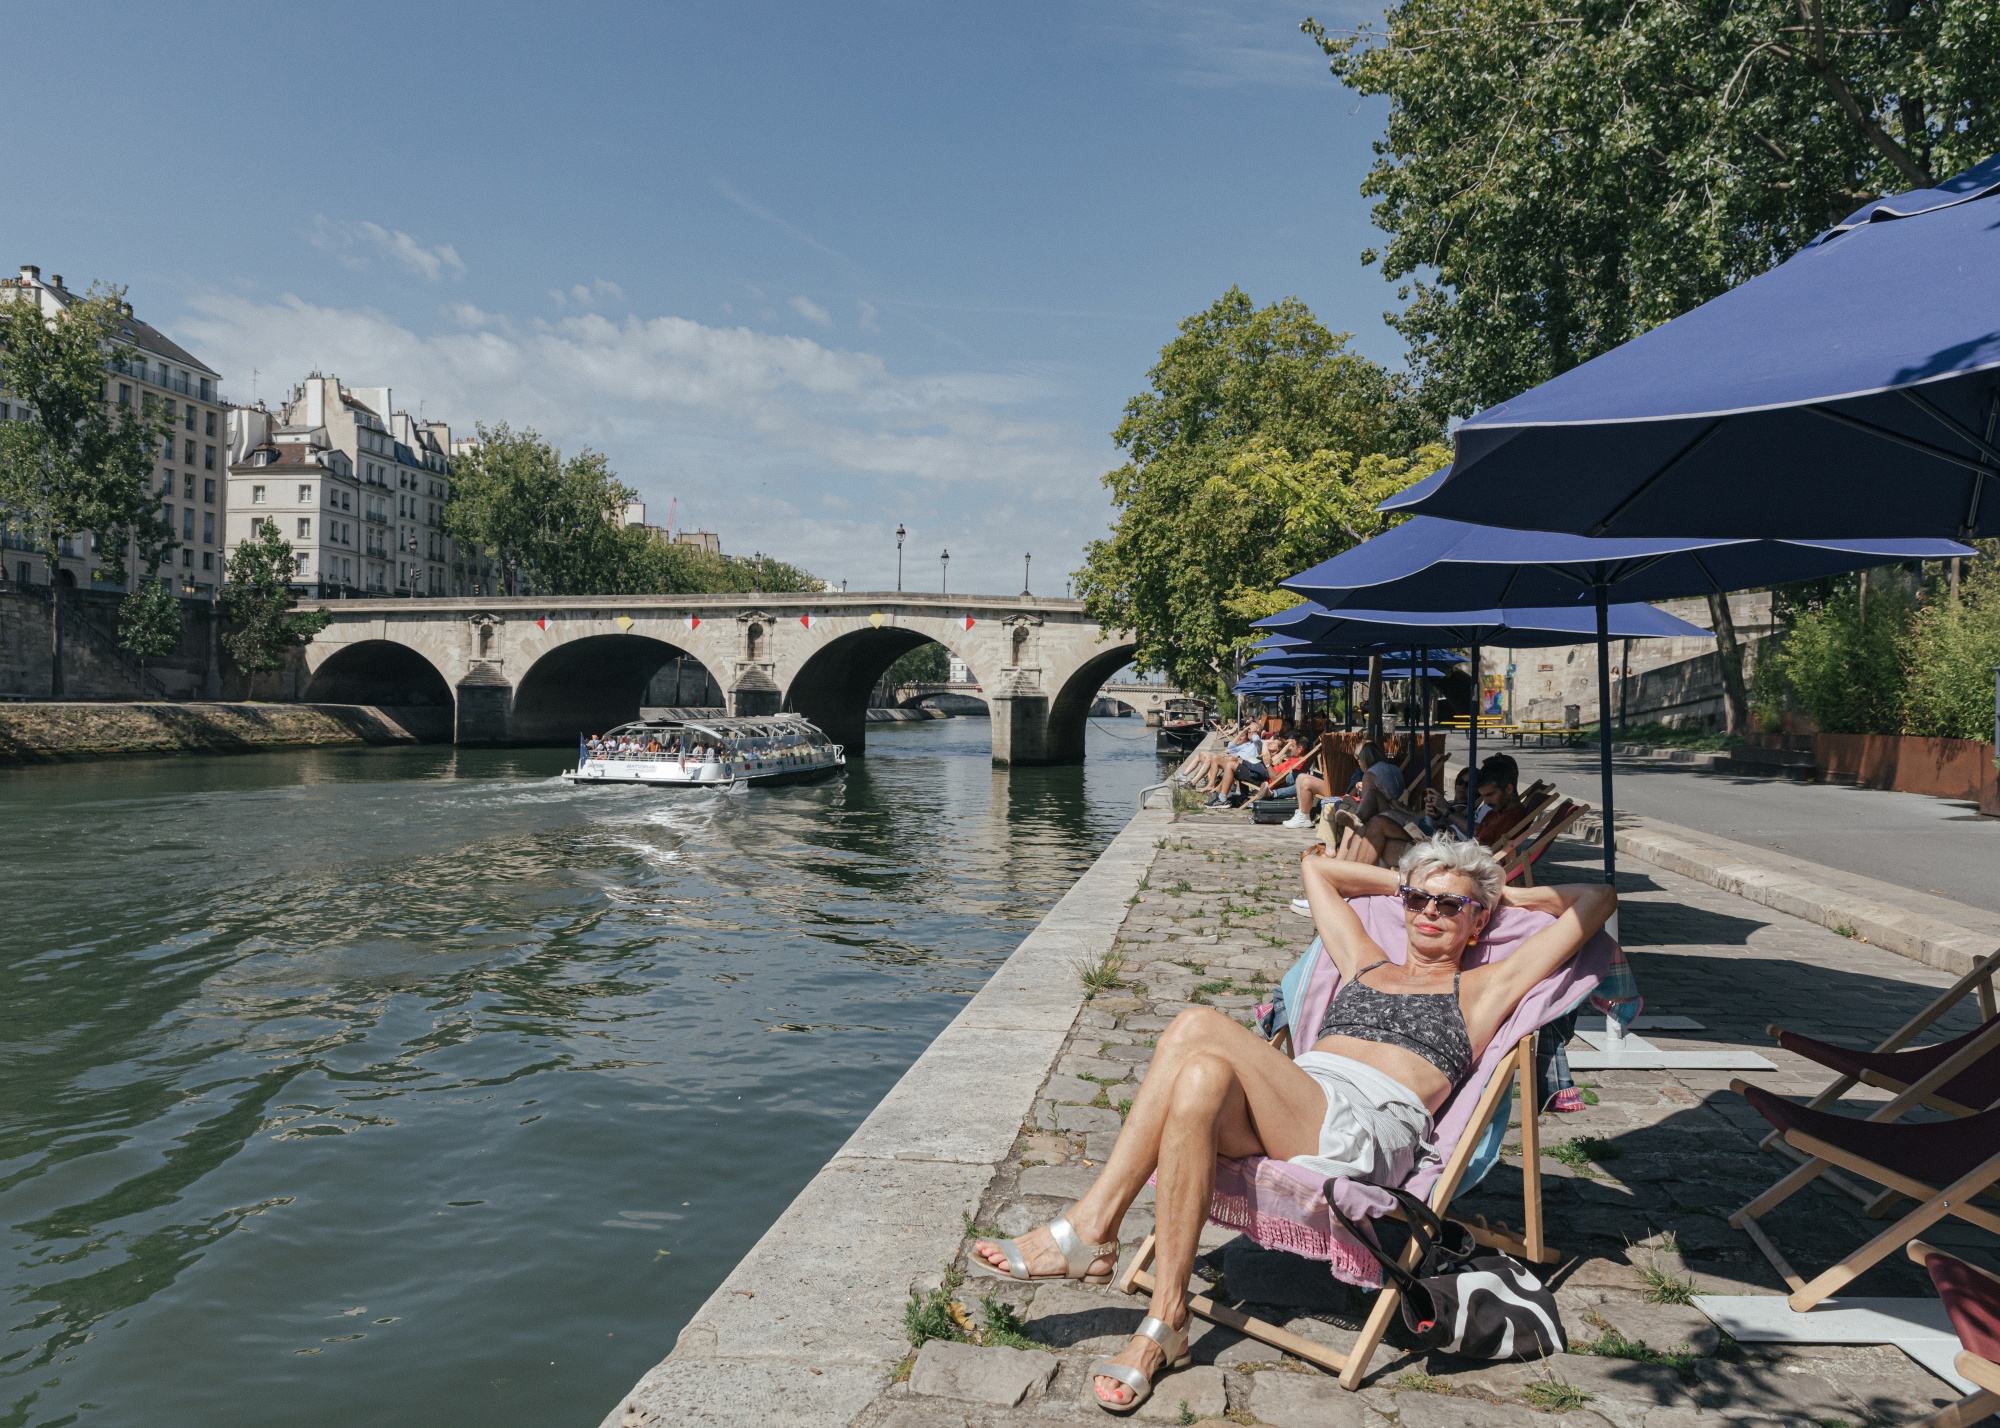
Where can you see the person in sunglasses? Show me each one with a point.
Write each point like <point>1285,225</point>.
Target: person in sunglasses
<point>1395,1042</point>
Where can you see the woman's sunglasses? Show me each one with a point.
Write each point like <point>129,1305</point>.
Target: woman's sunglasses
<point>1449,904</point>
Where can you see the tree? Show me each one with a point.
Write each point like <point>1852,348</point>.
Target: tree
<point>1260,449</point>
<point>149,621</point>
<point>564,518</point>
<point>1557,178</point>
<point>259,603</point>
<point>68,464</point>
<point>928,663</point>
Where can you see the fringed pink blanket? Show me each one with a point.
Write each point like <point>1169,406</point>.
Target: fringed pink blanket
<point>1282,1206</point>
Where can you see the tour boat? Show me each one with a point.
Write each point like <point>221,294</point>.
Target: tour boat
<point>1184,723</point>
<point>709,753</point>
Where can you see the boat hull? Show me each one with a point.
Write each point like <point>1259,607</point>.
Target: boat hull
<point>650,773</point>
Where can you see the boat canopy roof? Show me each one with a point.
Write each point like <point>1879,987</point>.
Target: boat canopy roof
<point>722,728</point>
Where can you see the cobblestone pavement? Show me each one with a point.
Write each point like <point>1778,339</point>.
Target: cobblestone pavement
<point>1657,1153</point>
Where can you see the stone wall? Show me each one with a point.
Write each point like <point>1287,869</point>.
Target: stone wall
<point>94,667</point>
<point>46,732</point>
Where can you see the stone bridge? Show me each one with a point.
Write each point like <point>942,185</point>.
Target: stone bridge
<point>543,669</point>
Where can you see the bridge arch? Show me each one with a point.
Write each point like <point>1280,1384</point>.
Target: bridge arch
<point>387,673</point>
<point>1069,710</point>
<point>588,685</point>
<point>832,687</point>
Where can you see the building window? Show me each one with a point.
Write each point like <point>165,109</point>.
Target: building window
<point>168,454</point>
<point>187,531</point>
<point>187,558</point>
<point>208,528</point>
<point>168,513</point>
<point>124,394</point>
<point>208,458</point>
<point>187,485</point>
<point>256,526</point>
<point>207,392</point>
<point>208,490</point>
<point>189,422</point>
<point>211,421</point>
<point>305,563</point>
<point>256,495</point>
<point>305,495</point>
<point>208,560</point>
<point>305,528</point>
<point>188,455</point>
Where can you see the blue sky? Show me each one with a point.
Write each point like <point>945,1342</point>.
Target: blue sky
<point>813,270</point>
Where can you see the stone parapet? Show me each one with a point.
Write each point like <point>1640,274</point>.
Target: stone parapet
<point>44,733</point>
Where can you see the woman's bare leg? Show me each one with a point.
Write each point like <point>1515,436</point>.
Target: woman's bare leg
<point>1213,1088</point>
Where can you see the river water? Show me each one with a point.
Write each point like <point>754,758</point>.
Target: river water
<point>413,1086</point>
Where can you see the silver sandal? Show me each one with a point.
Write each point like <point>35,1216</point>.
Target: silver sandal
<point>1172,1341</point>
<point>1077,1257</point>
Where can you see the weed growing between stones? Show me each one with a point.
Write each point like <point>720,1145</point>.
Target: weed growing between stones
<point>1101,973</point>
<point>1001,1325</point>
<point>1553,1393</point>
<point>1186,1415</point>
<point>1124,1108</point>
<point>929,1316</point>
<point>1613,1345</point>
<point>1179,887</point>
<point>1418,1382</point>
<point>1578,1153</point>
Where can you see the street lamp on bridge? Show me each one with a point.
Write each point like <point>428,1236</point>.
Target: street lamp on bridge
<point>899,556</point>
<point>1026,561</point>
<point>944,580</point>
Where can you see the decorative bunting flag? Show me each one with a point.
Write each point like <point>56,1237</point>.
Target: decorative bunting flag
<point>808,620</point>
<point>623,622</point>
<point>543,622</point>
<point>969,622</point>
<point>878,619</point>
<point>693,622</point>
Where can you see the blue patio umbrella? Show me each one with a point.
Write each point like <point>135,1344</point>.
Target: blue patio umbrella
<point>1321,628</point>
<point>1853,390</point>
<point>1433,564</point>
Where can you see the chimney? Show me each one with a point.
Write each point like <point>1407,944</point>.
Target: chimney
<point>55,281</point>
<point>30,274</point>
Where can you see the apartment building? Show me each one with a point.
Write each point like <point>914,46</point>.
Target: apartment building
<point>146,367</point>
<point>359,488</point>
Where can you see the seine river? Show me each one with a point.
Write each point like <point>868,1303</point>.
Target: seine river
<point>415,1087</point>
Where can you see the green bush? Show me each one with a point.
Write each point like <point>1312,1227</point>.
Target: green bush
<point>1952,651</point>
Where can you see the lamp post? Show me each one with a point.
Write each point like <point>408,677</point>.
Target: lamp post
<point>411,542</point>
<point>899,557</point>
<point>944,579</point>
<point>1027,561</point>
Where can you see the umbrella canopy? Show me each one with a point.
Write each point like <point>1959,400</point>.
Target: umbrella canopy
<point>1853,390</point>
<point>1312,625</point>
<point>1434,564</point>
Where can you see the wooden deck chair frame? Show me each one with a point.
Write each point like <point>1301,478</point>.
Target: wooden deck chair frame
<point>1539,798</point>
<point>1135,1276</point>
<point>1984,1374</point>
<point>1977,982</point>
<point>1934,1203</point>
<point>1522,856</point>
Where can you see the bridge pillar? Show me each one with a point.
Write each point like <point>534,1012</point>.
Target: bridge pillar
<point>485,707</point>
<point>755,692</point>
<point>1020,728</point>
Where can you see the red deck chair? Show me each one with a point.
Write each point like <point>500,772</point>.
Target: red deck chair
<point>1941,1165</point>
<point>1972,1298</point>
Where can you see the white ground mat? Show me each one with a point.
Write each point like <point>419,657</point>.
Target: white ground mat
<point>1919,1327</point>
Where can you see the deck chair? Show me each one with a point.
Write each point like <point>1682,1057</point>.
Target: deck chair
<point>1518,858</point>
<point>1971,1297</point>
<point>1942,1165</point>
<point>1894,1065</point>
<point>1283,1206</point>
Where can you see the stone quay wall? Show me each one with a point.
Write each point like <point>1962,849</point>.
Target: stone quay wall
<point>48,732</point>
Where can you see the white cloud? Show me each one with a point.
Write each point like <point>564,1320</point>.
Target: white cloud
<point>356,244</point>
<point>783,443</point>
<point>811,311</point>
<point>868,315</point>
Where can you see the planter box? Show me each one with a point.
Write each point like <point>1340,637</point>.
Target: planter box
<point>1941,768</point>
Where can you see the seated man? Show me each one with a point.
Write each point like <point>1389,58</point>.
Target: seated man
<point>1500,804</point>
<point>1205,767</point>
<point>1247,754</point>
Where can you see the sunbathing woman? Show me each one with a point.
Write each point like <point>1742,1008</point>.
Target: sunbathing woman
<point>1394,1044</point>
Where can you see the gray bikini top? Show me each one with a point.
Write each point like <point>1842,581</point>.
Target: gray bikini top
<point>1430,1024</point>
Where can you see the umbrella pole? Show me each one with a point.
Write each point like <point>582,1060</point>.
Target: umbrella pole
<point>1424,686</point>
<point>1472,743</point>
<point>1604,729</point>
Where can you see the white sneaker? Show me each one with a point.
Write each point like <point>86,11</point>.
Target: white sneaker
<point>1299,904</point>
<point>1298,820</point>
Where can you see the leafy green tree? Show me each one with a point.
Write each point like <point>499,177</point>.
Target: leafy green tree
<point>1260,449</point>
<point>928,663</point>
<point>149,621</point>
<point>1954,645</point>
<point>70,463</point>
<point>1557,177</point>
<point>564,518</point>
<point>260,606</point>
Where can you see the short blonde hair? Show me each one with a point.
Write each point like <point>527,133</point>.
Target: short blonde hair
<point>1455,855</point>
